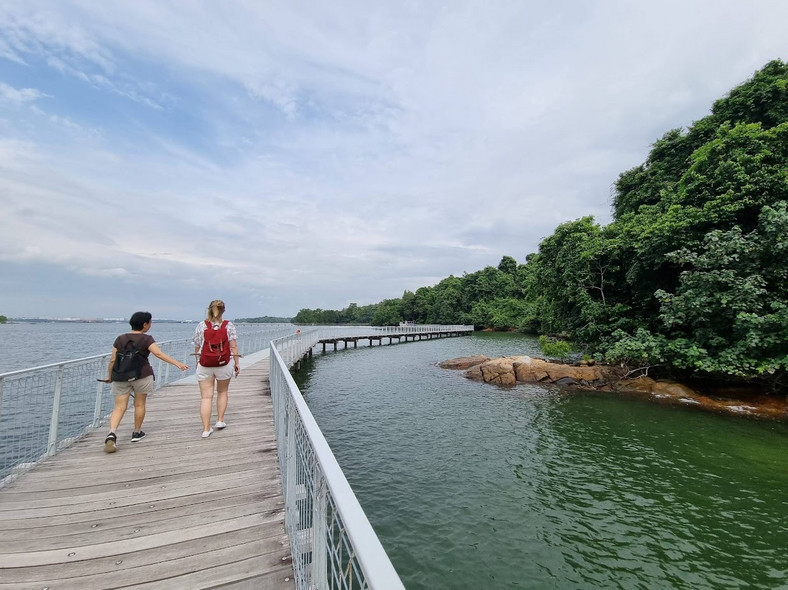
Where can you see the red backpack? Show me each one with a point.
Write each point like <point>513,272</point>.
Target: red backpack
<point>215,346</point>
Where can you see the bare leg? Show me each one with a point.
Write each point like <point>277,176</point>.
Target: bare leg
<point>121,403</point>
<point>139,410</point>
<point>221,398</point>
<point>206,402</point>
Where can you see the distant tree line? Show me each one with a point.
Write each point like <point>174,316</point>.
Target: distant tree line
<point>690,277</point>
<point>3,319</point>
<point>264,320</point>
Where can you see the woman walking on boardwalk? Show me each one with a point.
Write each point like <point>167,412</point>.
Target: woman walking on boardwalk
<point>216,343</point>
<point>135,376</point>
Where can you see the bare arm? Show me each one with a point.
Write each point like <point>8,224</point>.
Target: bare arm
<point>154,348</point>
<point>234,350</point>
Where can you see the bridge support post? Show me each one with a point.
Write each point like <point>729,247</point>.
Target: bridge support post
<point>52,443</point>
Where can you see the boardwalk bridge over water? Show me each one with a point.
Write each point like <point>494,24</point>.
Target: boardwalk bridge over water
<point>261,504</point>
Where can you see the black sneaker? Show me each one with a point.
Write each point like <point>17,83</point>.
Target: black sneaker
<point>109,443</point>
<point>137,436</point>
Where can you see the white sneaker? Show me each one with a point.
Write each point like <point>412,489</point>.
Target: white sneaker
<point>220,425</point>
<point>207,433</point>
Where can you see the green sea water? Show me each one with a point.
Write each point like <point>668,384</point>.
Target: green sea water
<point>474,486</point>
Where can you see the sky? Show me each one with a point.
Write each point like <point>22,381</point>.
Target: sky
<point>278,155</point>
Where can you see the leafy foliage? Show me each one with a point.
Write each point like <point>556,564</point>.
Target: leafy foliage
<point>554,347</point>
<point>264,320</point>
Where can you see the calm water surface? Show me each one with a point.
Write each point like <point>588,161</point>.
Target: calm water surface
<point>25,344</point>
<point>473,486</point>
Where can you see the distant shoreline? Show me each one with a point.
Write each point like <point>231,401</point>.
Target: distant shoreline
<point>86,321</point>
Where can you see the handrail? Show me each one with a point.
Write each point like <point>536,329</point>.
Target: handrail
<point>314,475</point>
<point>332,541</point>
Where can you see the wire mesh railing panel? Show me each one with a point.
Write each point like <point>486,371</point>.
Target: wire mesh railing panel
<point>43,410</point>
<point>344,570</point>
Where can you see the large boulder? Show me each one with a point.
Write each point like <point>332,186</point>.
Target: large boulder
<point>529,369</point>
<point>639,384</point>
<point>674,390</point>
<point>464,362</point>
<point>510,370</point>
<point>498,371</point>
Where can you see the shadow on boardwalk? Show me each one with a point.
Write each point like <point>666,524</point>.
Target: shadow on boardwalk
<point>172,511</point>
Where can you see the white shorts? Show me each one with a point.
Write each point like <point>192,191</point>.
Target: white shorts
<point>220,373</point>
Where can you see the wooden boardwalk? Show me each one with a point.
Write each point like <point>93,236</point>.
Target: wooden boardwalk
<point>172,511</point>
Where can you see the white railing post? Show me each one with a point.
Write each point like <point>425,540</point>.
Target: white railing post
<point>97,408</point>
<point>53,423</point>
<point>158,372</point>
<point>319,530</point>
<point>290,480</point>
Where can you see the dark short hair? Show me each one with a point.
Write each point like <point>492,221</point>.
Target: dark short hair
<point>139,318</point>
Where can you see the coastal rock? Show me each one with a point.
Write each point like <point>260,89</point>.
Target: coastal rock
<point>673,389</point>
<point>498,371</point>
<point>639,384</point>
<point>528,370</point>
<point>508,371</point>
<point>464,362</point>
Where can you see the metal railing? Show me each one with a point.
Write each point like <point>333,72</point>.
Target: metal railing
<point>333,544</point>
<point>45,409</point>
<point>363,331</point>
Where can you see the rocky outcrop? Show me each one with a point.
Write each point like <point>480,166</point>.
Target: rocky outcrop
<point>510,370</point>
<point>464,362</point>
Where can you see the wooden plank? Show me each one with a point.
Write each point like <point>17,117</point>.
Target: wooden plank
<point>44,528</point>
<point>172,511</point>
<point>141,558</point>
<point>134,509</point>
<point>137,528</point>
<point>264,555</point>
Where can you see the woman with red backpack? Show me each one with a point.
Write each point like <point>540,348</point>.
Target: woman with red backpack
<point>216,344</point>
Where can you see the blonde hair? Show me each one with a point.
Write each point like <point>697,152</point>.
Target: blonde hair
<point>215,310</point>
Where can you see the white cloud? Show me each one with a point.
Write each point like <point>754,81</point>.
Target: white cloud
<point>9,94</point>
<point>307,155</point>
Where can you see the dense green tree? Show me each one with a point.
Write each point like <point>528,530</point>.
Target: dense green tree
<point>569,289</point>
<point>730,310</point>
<point>448,305</point>
<point>388,313</point>
<point>409,306</point>
<point>508,265</point>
